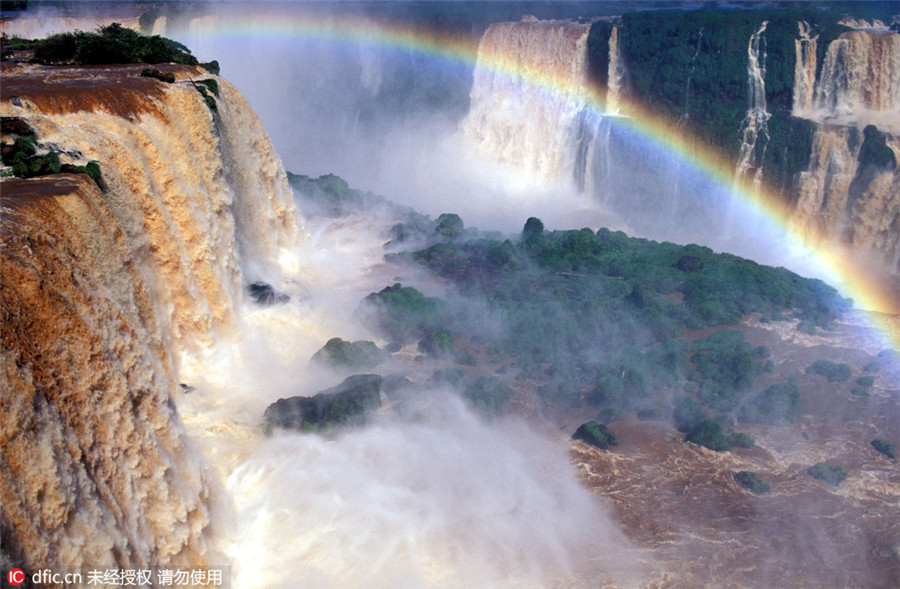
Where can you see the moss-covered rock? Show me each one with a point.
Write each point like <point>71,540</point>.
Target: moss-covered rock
<point>346,404</point>
<point>752,482</point>
<point>833,475</point>
<point>358,355</point>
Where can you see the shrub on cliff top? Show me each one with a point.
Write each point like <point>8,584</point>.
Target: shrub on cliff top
<point>111,44</point>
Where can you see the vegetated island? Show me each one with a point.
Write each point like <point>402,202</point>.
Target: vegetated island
<point>583,319</point>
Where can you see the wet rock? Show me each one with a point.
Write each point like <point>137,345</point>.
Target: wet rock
<point>346,404</point>
<point>167,77</point>
<point>359,355</point>
<point>595,434</point>
<point>15,126</point>
<point>263,294</point>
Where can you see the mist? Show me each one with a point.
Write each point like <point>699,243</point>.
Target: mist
<point>430,492</point>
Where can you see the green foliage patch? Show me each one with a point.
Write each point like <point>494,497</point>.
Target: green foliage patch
<point>779,404</point>
<point>357,355</point>
<point>604,314</point>
<point>403,314</point>
<point>691,67</point>
<point>752,482</point>
<point>23,157</point>
<point>602,318</point>
<point>488,394</point>
<point>330,195</point>
<point>110,45</point>
<point>834,372</point>
<point>437,344</point>
<point>885,447</point>
<point>833,475</point>
<point>595,434</point>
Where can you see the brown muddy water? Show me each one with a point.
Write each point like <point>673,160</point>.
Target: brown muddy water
<point>695,526</point>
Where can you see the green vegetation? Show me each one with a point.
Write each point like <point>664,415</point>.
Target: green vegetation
<point>23,157</point>
<point>600,316</point>
<point>437,344</point>
<point>752,482</point>
<point>358,355</point>
<point>691,67</point>
<point>740,440</point>
<point>331,196</point>
<point>211,85</point>
<point>488,394</point>
<point>779,404</point>
<point>875,158</point>
<point>403,314</point>
<point>834,372</point>
<point>833,475</point>
<point>204,88</point>
<point>885,447</point>
<point>708,433</point>
<point>346,404</point>
<point>865,381</point>
<point>595,434</point>
<point>167,77</point>
<point>874,150</point>
<point>602,319</point>
<point>872,366</point>
<point>109,45</point>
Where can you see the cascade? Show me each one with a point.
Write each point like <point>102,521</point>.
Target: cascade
<point>125,284</point>
<point>685,115</point>
<point>804,70</point>
<point>840,200</point>
<point>858,86</point>
<point>528,90</point>
<point>615,74</point>
<point>860,80</point>
<point>96,471</point>
<point>755,128</point>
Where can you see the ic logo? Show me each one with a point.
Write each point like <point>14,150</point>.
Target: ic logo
<point>15,577</point>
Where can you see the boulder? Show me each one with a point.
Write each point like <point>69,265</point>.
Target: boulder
<point>263,294</point>
<point>346,404</point>
<point>595,434</point>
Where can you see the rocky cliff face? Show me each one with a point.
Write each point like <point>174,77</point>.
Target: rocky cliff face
<point>805,107</point>
<point>106,291</point>
<point>851,189</point>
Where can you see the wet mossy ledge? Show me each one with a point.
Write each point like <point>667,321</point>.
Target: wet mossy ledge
<point>24,157</point>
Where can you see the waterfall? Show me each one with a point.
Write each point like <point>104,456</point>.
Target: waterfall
<point>755,127</point>
<point>615,74</point>
<point>529,88</point>
<point>839,200</point>
<point>804,70</point>
<point>842,195</point>
<point>860,80</point>
<point>96,471</point>
<point>685,114</point>
<point>104,295</point>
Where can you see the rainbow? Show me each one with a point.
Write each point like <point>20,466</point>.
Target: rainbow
<point>869,291</point>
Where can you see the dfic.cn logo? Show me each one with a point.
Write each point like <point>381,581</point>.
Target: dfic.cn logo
<point>15,577</point>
